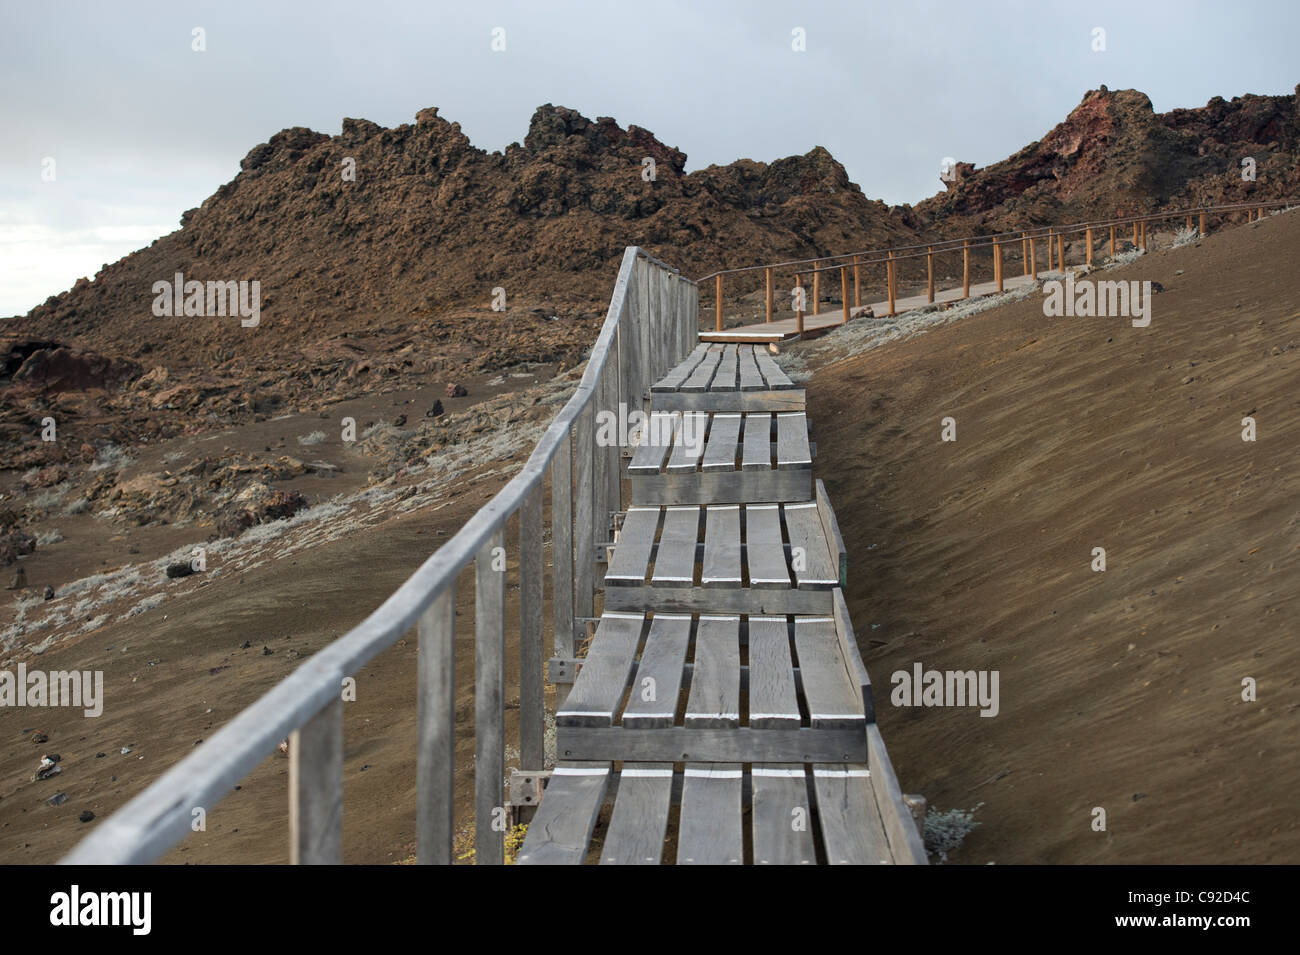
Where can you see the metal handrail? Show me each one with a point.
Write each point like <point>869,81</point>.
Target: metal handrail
<point>650,325</point>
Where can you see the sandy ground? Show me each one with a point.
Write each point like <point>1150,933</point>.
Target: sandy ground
<point>1119,689</point>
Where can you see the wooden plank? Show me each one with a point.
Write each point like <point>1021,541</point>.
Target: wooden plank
<point>904,840</point>
<point>725,378</point>
<point>656,443</point>
<point>782,818</point>
<point>489,701</point>
<point>721,565</point>
<point>435,759</point>
<point>832,701</point>
<point>678,598</point>
<point>584,520</point>
<point>792,441</point>
<point>688,442</point>
<point>750,377</point>
<point>685,743</point>
<point>777,380</point>
<point>700,378</point>
<point>561,831</point>
<point>636,540</point>
<point>639,823</point>
<point>714,700</point>
<point>765,547</point>
<point>658,680</point>
<point>532,707</point>
<point>675,560</point>
<point>680,372</point>
<point>852,832</point>
<point>852,657</point>
<point>722,487</point>
<point>710,831</point>
<point>758,442</point>
<point>316,788</point>
<point>773,703</point>
<point>731,401</point>
<point>831,531</point>
<point>598,691</point>
<point>809,558</point>
<point>724,436</point>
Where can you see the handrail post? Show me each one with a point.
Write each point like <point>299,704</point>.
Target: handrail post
<point>435,760</point>
<point>817,287</point>
<point>997,261</point>
<point>1050,250</point>
<point>1033,262</point>
<point>1024,252</point>
<point>768,273</point>
<point>532,716</point>
<point>798,306</point>
<point>965,268</point>
<point>562,547</point>
<point>1088,258</point>
<point>1202,222</point>
<point>844,292</point>
<point>489,703</point>
<point>584,532</point>
<point>929,273</point>
<point>316,788</point>
<point>890,273</point>
<point>1112,242</point>
<point>857,285</point>
<point>717,308</point>
<point>1135,233</point>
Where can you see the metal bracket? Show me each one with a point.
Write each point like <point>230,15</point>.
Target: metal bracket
<point>562,669</point>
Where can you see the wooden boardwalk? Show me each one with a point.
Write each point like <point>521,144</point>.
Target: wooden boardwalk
<point>786,329</point>
<point>722,713</point>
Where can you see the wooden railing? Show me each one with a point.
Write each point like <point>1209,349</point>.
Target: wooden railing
<point>651,325</point>
<point>841,266</point>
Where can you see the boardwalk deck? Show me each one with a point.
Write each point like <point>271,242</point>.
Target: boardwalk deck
<point>723,679</point>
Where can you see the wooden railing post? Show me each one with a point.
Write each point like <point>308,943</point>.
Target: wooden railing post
<point>316,788</point>
<point>817,287</point>
<point>844,292</point>
<point>1024,252</point>
<point>799,304</point>
<point>562,547</point>
<point>1112,242</point>
<point>1088,239</point>
<point>435,760</point>
<point>857,285</point>
<point>768,274</point>
<point>1135,233</point>
<point>1033,261</point>
<point>717,286</point>
<point>1202,223</point>
<point>965,268</point>
<point>997,261</point>
<point>584,522</point>
<point>929,273</point>
<point>1050,251</point>
<point>489,702</point>
<point>889,281</point>
<point>532,708</point>
<point>1189,222</point>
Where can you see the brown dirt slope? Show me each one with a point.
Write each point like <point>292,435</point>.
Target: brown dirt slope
<point>1120,689</point>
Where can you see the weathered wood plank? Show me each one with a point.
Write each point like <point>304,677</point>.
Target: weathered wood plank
<point>714,700</point>
<point>561,831</point>
<point>489,700</point>
<point>532,704</point>
<point>710,831</point>
<point>703,374</point>
<point>562,547</point>
<point>765,547</point>
<point>782,819</point>
<point>852,832</point>
<point>777,380</point>
<point>658,680</point>
<point>758,442</point>
<point>730,401</point>
<point>810,559</point>
<point>680,598</point>
<point>792,441</point>
<point>750,377</point>
<point>832,700</point>
<point>680,372</point>
<point>685,743</point>
<point>640,820</point>
<point>852,657</point>
<point>721,566</point>
<point>773,703</point>
<point>656,443</point>
<point>722,487</point>
<point>435,760</point>
<point>675,560</point>
<point>831,531</point>
<point>724,436</point>
<point>598,691</point>
<point>688,442</point>
<point>636,540</point>
<point>316,788</point>
<point>904,841</point>
<point>725,377</point>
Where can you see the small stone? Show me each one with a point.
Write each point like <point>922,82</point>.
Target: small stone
<point>86,816</point>
<point>182,568</point>
<point>245,645</point>
<point>1178,272</point>
<point>41,738</point>
<point>125,750</point>
<point>435,411</point>
<point>49,592</point>
<point>58,799</point>
<point>267,651</point>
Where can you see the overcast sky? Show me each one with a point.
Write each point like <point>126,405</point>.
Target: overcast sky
<point>142,127</point>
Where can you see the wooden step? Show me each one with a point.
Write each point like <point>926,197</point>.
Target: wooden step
<point>727,378</point>
<point>726,458</point>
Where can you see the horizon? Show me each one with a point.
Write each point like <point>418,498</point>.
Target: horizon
<point>127,177</point>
